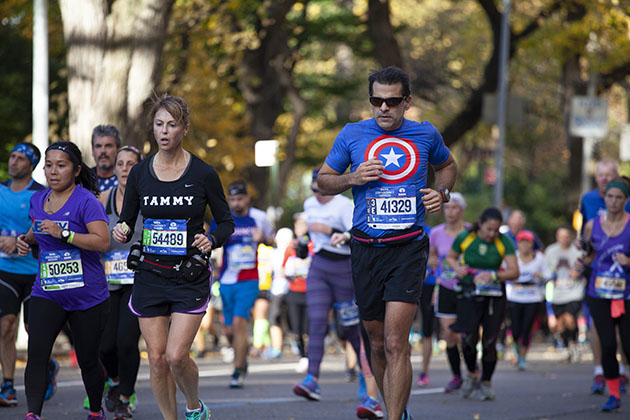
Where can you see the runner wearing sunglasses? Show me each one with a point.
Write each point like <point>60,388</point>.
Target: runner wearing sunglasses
<point>389,157</point>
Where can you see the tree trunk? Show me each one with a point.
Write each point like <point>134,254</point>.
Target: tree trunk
<point>113,55</point>
<point>386,48</point>
<point>265,79</point>
<point>572,85</point>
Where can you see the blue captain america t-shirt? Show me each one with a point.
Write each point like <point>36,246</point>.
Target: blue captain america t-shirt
<point>393,202</point>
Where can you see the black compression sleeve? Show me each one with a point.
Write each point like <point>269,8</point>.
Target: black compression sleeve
<point>219,207</point>
<point>131,201</point>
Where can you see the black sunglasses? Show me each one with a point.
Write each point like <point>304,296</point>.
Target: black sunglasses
<point>315,190</point>
<point>391,102</point>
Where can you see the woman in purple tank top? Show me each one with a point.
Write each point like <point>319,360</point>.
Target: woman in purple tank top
<point>608,295</point>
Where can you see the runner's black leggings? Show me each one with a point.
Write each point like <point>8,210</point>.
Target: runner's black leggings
<point>46,319</point>
<point>605,325</point>
<point>119,348</point>
<point>522,316</point>
<point>298,318</point>
<point>488,312</point>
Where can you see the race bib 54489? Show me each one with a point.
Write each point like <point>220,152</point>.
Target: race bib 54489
<point>164,236</point>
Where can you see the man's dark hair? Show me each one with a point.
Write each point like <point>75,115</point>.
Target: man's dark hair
<point>390,76</point>
<point>107,131</point>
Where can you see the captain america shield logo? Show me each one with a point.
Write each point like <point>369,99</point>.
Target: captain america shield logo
<point>399,156</point>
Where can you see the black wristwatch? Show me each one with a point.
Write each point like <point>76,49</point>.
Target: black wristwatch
<point>65,235</point>
<point>446,195</point>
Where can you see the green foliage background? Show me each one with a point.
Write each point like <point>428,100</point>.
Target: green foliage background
<point>445,44</point>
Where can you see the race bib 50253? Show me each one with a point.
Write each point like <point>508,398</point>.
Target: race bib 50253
<point>60,270</point>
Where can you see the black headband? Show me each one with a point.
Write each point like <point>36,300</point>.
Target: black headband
<point>237,188</point>
<point>73,156</point>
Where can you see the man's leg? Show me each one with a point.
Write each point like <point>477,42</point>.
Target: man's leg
<point>398,371</point>
<point>390,357</point>
<point>8,335</point>
<point>376,333</point>
<point>239,341</point>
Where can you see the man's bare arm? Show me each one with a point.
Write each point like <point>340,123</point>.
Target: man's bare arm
<point>331,182</point>
<point>445,174</point>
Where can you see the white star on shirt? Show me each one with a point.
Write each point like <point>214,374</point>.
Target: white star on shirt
<point>392,158</point>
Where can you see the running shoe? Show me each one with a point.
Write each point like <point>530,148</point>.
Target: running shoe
<point>623,383</point>
<point>369,409</point>
<point>468,386</point>
<point>302,365</point>
<point>53,369</point>
<point>238,377</point>
<point>308,388</point>
<point>598,384</point>
<point>522,363</point>
<point>423,379</point>
<point>270,353</point>
<point>123,411</point>
<point>133,402</point>
<point>112,397</point>
<point>486,393</point>
<point>406,415</point>
<point>31,416</point>
<point>227,354</point>
<point>202,413</point>
<point>351,375</point>
<point>612,404</point>
<point>362,389</point>
<point>8,395</point>
<point>86,400</point>
<point>101,416</point>
<point>574,354</point>
<point>454,385</point>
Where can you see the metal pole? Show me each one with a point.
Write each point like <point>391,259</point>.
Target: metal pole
<point>40,82</point>
<point>502,101</point>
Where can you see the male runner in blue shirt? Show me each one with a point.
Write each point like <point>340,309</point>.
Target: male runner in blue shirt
<point>389,157</point>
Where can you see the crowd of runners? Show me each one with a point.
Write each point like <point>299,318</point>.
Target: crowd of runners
<point>123,250</point>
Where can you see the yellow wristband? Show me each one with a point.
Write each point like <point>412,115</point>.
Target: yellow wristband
<point>71,237</point>
<point>494,276</point>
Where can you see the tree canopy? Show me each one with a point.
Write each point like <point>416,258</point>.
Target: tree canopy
<point>296,71</point>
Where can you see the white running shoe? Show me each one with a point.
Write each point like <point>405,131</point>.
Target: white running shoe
<point>302,365</point>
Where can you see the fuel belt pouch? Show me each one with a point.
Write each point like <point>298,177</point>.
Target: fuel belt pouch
<point>395,238</point>
<point>135,256</point>
<point>194,266</point>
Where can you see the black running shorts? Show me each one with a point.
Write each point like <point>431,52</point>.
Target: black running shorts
<point>15,289</point>
<point>572,308</point>
<point>155,295</point>
<point>388,274</point>
<point>446,303</point>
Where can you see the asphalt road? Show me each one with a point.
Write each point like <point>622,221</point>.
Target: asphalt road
<point>548,389</point>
